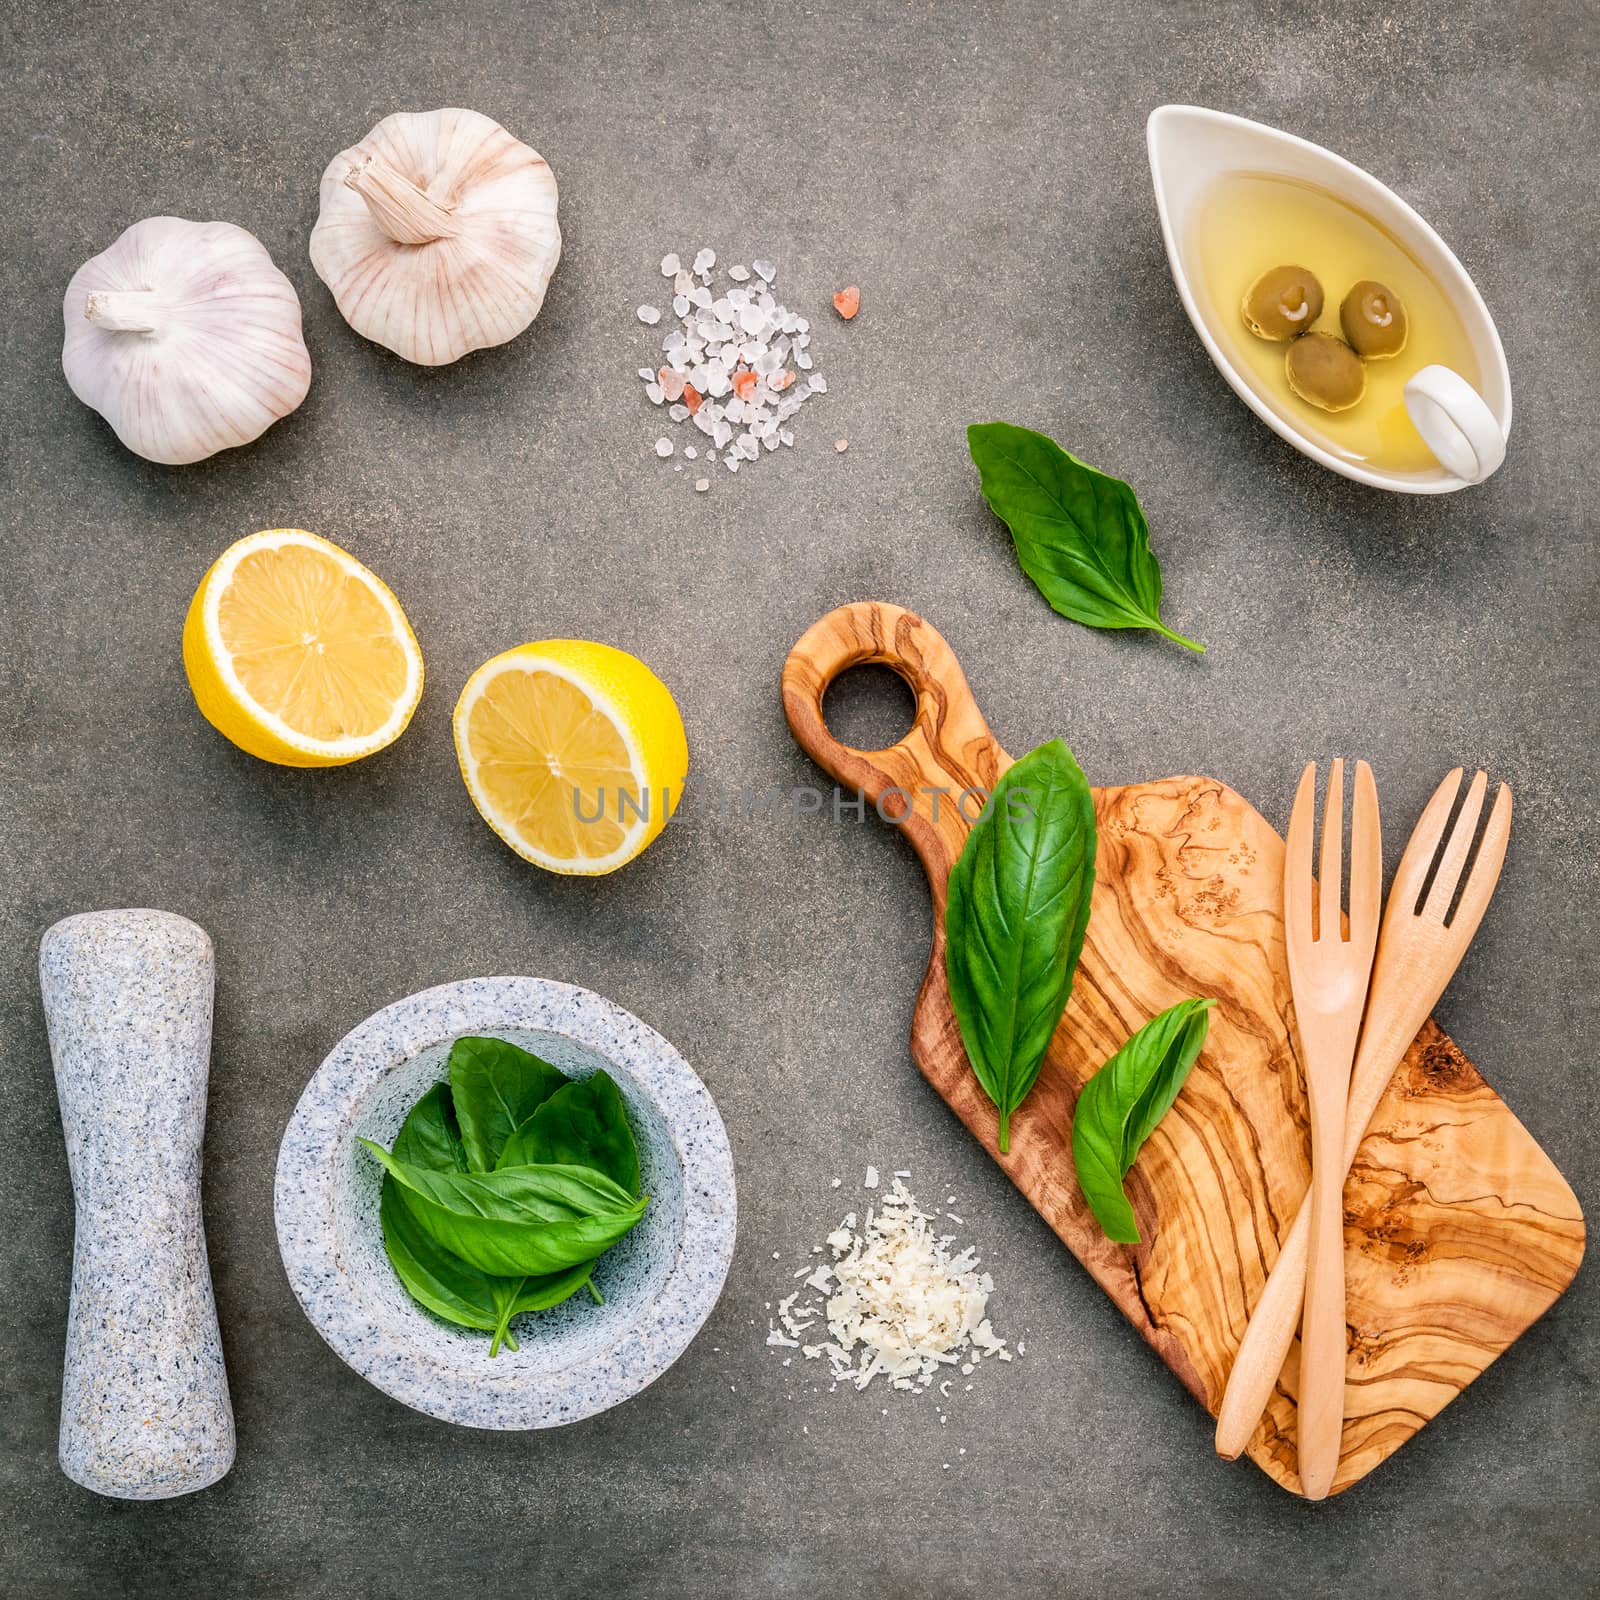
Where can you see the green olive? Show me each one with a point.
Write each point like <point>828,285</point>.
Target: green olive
<point>1325,371</point>
<point>1282,303</point>
<point>1373,320</point>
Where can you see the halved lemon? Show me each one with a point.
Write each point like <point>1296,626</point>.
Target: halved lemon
<point>574,753</point>
<point>299,654</point>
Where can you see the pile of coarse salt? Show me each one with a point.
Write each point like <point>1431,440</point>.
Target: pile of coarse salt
<point>897,1302</point>
<point>728,366</point>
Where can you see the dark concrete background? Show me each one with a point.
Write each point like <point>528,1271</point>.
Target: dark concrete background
<point>980,172</point>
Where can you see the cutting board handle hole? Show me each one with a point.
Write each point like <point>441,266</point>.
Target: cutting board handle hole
<point>869,707</point>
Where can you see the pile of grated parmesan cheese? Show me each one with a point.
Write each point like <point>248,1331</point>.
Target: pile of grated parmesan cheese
<point>897,1303</point>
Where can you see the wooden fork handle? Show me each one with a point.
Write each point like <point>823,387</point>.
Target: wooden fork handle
<point>1324,1339</point>
<point>1276,1316</point>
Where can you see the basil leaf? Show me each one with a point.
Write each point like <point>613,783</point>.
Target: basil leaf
<point>430,1136</point>
<point>495,1086</point>
<point>448,1287</point>
<point>1080,534</point>
<point>1016,909</point>
<point>581,1125</point>
<point>434,1277</point>
<point>537,1294</point>
<point>1122,1103</point>
<point>519,1221</point>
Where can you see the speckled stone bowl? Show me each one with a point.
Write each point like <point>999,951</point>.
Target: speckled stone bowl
<point>659,1283</point>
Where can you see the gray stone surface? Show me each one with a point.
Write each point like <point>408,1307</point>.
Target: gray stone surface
<point>980,172</point>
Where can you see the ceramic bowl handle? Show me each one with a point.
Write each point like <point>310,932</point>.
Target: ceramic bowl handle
<point>1456,423</point>
<point>145,1412</point>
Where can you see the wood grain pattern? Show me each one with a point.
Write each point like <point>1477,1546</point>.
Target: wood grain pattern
<point>1459,1231</point>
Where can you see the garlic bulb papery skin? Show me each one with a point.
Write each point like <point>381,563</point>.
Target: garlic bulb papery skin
<point>185,338</point>
<point>438,234</point>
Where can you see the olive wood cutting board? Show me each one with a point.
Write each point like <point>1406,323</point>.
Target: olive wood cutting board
<point>1459,1231</point>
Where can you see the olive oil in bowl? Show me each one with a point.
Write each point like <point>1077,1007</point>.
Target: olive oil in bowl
<point>1247,224</point>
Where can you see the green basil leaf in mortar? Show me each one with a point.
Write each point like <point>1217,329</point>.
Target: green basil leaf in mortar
<point>520,1220</point>
<point>1080,534</point>
<point>537,1294</point>
<point>495,1086</point>
<point>583,1125</point>
<point>1122,1103</point>
<point>430,1136</point>
<point>1015,914</point>
<point>450,1288</point>
<point>432,1275</point>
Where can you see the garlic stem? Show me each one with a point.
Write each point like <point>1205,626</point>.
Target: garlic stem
<point>123,310</point>
<point>397,205</point>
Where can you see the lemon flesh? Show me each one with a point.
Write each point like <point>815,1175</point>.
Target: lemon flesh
<point>299,654</point>
<point>573,752</point>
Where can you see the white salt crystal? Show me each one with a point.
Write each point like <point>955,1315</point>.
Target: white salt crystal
<point>678,413</point>
<point>690,452</point>
<point>656,394</point>
<point>817,383</point>
<point>648,314</point>
<point>739,274</point>
<point>701,485</point>
<point>705,260</point>
<point>802,360</point>
<point>786,435</point>
<point>680,305</point>
<point>766,270</point>
<point>701,297</point>
<point>871,1179</point>
<point>663,447</point>
<point>682,282</point>
<point>669,266</point>
<point>648,374</point>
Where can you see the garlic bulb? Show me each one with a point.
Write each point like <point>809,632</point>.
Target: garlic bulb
<point>185,338</point>
<point>438,234</point>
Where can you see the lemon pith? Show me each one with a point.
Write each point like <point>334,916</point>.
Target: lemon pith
<point>299,654</point>
<point>573,752</point>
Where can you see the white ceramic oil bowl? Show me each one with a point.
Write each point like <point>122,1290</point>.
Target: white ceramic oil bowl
<point>1191,148</point>
<point>659,1283</point>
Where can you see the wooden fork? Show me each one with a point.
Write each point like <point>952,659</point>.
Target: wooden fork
<point>1328,973</point>
<point>1418,953</point>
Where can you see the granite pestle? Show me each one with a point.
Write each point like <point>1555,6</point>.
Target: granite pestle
<point>145,1413</point>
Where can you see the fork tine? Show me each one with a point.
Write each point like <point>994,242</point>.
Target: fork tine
<point>1455,850</point>
<point>1297,858</point>
<point>1366,858</point>
<point>1406,890</point>
<point>1332,868</point>
<point>1485,871</point>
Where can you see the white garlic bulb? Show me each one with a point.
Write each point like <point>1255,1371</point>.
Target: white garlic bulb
<point>185,338</point>
<point>437,234</point>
